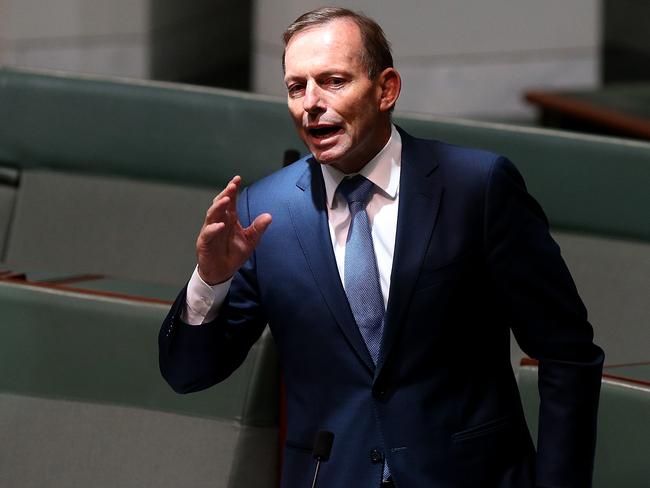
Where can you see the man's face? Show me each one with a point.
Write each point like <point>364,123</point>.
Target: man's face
<point>335,106</point>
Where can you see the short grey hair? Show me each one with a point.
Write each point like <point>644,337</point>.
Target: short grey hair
<point>376,56</point>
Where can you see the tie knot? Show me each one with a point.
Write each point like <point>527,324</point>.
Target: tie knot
<point>356,189</point>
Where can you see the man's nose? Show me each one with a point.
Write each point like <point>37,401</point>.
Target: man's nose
<point>313,100</point>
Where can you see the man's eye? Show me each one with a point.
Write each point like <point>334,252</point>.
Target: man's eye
<point>295,90</point>
<point>335,82</point>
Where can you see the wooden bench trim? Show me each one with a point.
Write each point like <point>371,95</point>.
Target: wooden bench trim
<point>613,119</point>
<point>82,291</point>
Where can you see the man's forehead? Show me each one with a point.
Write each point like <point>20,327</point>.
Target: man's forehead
<point>340,27</point>
<point>339,39</point>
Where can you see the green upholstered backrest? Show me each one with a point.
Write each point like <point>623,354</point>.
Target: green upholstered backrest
<point>613,278</point>
<point>153,131</point>
<point>59,443</point>
<point>623,429</point>
<point>76,347</point>
<point>199,136</point>
<point>7,202</point>
<point>9,178</point>
<point>119,227</point>
<point>585,183</point>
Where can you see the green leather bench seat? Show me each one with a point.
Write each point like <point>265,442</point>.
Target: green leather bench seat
<point>623,428</point>
<point>82,402</point>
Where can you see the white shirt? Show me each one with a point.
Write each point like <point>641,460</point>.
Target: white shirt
<point>203,301</point>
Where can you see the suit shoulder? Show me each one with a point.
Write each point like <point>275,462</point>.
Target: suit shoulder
<point>270,194</point>
<point>468,160</point>
<point>280,179</point>
<point>460,166</point>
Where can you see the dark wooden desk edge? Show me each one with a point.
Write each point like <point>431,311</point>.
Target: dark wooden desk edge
<point>634,126</point>
<point>535,363</point>
<point>84,291</point>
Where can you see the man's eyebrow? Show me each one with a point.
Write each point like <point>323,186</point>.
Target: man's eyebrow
<point>322,74</point>
<point>333,72</point>
<point>290,78</point>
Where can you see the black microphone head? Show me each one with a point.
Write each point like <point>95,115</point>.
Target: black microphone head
<point>323,445</point>
<point>290,156</point>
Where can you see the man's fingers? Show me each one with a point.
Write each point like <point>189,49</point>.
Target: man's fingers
<point>210,231</point>
<point>258,227</point>
<point>231,189</point>
<point>233,186</point>
<point>217,211</point>
<point>227,197</point>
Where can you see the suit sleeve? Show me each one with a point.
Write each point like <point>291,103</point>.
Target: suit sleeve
<point>550,324</point>
<point>195,357</point>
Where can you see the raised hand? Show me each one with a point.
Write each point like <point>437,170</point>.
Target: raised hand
<point>223,244</point>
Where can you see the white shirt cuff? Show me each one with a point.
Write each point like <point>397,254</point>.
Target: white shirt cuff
<point>202,302</point>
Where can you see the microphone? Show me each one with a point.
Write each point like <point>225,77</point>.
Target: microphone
<point>322,449</point>
<point>290,156</point>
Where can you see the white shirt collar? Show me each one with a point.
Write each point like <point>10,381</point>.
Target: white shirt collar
<point>383,170</point>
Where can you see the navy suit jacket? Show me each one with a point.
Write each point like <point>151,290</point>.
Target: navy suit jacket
<point>473,260</point>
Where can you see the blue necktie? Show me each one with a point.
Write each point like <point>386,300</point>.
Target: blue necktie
<point>361,274</point>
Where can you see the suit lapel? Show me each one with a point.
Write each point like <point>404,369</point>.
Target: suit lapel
<point>419,201</point>
<point>309,215</point>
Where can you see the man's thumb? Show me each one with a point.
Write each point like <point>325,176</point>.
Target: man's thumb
<point>258,227</point>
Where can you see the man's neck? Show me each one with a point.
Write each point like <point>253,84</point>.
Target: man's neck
<point>354,166</point>
<point>383,169</point>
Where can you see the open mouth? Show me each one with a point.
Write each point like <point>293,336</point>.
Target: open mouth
<point>324,131</point>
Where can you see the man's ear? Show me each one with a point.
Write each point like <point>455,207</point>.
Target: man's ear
<point>390,84</point>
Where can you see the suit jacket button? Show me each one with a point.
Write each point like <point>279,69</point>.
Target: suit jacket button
<point>376,457</point>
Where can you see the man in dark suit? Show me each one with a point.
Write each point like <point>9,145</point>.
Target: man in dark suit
<point>390,295</point>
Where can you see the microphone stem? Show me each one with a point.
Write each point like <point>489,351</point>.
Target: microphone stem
<point>313,484</point>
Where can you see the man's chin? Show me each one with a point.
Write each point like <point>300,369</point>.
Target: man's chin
<point>332,157</point>
<point>325,157</point>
